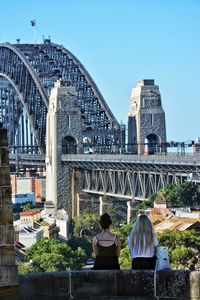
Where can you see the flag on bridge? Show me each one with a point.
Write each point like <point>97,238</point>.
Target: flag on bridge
<point>33,22</point>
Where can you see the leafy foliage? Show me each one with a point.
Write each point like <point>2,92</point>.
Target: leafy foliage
<point>88,221</point>
<point>81,242</point>
<point>122,232</point>
<point>183,195</point>
<point>125,259</point>
<point>117,212</point>
<point>51,255</point>
<point>147,203</point>
<point>184,248</point>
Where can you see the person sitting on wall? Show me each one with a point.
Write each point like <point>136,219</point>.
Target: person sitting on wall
<point>106,246</point>
<point>142,243</point>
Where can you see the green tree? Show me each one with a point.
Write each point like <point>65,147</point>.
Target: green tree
<point>52,255</point>
<point>88,221</point>
<point>50,262</point>
<point>147,203</point>
<point>184,248</point>
<point>183,195</point>
<point>183,257</point>
<point>28,206</point>
<point>83,243</point>
<point>26,267</point>
<point>123,232</point>
<point>117,212</point>
<point>125,258</point>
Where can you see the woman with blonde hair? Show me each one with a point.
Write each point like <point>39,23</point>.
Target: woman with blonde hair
<point>142,243</point>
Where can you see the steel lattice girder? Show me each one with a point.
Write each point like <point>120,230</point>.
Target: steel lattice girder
<point>129,177</point>
<point>31,71</point>
<point>127,184</point>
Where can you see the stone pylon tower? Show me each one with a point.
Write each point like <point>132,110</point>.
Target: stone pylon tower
<point>64,136</point>
<point>146,119</point>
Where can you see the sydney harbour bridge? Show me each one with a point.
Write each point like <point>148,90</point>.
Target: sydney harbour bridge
<point>28,73</point>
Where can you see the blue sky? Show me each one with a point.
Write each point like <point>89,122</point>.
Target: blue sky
<point>120,42</point>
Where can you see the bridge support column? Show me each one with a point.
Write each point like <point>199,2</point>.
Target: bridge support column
<point>104,202</point>
<point>73,194</point>
<point>101,205</point>
<point>131,211</point>
<point>78,205</point>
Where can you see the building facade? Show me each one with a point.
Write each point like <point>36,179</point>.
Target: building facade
<point>29,184</point>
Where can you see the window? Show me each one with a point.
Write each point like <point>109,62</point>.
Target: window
<point>69,145</point>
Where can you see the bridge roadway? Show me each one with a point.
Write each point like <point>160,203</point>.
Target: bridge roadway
<point>172,162</point>
<point>123,176</point>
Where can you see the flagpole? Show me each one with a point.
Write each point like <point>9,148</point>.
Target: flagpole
<point>35,35</point>
<point>33,24</point>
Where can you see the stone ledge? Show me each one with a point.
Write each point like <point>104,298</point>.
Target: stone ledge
<point>124,284</point>
<point>9,292</point>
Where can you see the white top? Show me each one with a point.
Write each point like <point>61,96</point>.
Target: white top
<point>139,253</point>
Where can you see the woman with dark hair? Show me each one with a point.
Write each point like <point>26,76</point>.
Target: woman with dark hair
<point>142,243</point>
<point>106,246</point>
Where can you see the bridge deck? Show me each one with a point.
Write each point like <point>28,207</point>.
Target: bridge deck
<point>180,163</point>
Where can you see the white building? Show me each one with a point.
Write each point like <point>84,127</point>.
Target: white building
<point>62,221</point>
<point>29,235</point>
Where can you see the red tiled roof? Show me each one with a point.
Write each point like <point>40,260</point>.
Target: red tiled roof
<point>29,212</point>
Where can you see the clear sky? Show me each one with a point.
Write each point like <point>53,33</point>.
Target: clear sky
<point>120,42</point>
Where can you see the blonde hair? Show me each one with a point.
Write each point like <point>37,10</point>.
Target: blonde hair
<point>142,233</point>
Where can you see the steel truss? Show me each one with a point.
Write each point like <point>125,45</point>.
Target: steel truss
<point>130,177</point>
<point>127,184</point>
<point>27,74</point>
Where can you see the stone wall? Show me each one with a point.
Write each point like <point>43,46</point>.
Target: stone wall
<point>126,284</point>
<point>8,269</point>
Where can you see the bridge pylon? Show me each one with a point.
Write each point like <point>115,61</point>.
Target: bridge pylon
<point>64,136</point>
<point>146,119</point>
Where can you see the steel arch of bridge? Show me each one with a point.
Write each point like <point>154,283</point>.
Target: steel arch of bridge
<point>27,74</point>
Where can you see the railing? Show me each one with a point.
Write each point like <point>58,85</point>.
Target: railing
<point>25,149</point>
<point>145,149</point>
<point>180,148</point>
